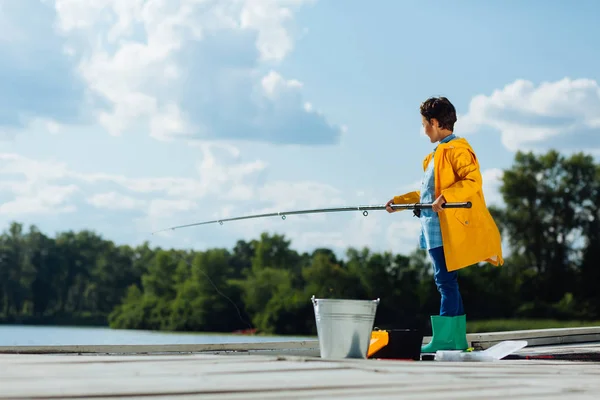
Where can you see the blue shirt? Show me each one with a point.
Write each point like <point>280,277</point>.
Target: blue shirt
<point>431,233</point>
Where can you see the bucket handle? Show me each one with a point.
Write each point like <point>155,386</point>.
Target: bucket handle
<point>314,300</point>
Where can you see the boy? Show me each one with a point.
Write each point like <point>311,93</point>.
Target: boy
<point>454,238</point>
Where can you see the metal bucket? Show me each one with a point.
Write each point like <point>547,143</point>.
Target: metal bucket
<point>344,326</point>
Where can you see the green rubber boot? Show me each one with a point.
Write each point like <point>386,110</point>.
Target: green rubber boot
<point>449,333</point>
<point>460,333</point>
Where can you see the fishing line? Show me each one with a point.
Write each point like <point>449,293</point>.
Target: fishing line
<point>220,293</point>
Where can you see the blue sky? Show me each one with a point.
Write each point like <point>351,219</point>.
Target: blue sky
<point>129,117</point>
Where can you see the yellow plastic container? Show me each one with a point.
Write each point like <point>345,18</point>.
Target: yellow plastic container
<point>379,339</point>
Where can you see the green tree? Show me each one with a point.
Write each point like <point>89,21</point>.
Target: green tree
<point>549,198</point>
<point>590,273</point>
<point>203,301</point>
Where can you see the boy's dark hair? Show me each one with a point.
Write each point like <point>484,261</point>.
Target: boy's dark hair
<point>441,109</point>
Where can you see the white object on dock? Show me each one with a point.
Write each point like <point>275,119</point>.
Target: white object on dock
<point>494,353</point>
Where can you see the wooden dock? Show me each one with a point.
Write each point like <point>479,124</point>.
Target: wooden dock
<point>277,371</point>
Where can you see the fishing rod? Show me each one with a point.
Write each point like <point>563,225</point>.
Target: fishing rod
<point>364,209</point>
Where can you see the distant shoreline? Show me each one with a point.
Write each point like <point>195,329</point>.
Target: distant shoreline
<point>67,320</point>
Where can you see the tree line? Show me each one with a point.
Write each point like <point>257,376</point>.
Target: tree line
<point>551,221</point>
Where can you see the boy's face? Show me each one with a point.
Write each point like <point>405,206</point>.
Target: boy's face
<point>431,129</point>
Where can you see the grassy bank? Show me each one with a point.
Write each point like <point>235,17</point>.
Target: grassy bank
<point>502,325</point>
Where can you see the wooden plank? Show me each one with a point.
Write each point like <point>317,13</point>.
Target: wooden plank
<point>307,345</point>
<point>381,392</point>
<point>542,337</point>
<point>545,341</point>
<point>564,349</point>
<point>99,368</point>
<point>347,381</point>
<point>572,352</point>
<point>248,377</point>
<point>535,333</point>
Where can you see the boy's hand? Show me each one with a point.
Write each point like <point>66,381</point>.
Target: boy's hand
<point>436,206</point>
<point>388,208</point>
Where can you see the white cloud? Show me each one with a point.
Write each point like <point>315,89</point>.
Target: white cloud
<point>492,180</point>
<point>38,199</point>
<point>563,114</point>
<point>189,68</point>
<point>404,233</point>
<point>33,170</point>
<point>114,201</point>
<point>170,123</point>
<point>268,18</point>
<point>222,185</point>
<point>273,84</point>
<point>221,176</point>
<point>37,185</point>
<point>32,189</point>
<point>287,195</point>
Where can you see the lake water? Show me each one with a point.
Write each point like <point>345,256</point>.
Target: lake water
<point>27,335</point>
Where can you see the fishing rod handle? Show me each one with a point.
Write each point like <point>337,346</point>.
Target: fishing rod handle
<point>465,204</point>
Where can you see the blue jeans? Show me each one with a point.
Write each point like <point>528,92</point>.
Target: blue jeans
<point>447,284</point>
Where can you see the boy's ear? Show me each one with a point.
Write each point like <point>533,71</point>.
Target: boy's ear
<point>434,122</point>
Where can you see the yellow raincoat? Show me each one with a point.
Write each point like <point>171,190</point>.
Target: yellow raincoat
<point>470,235</point>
